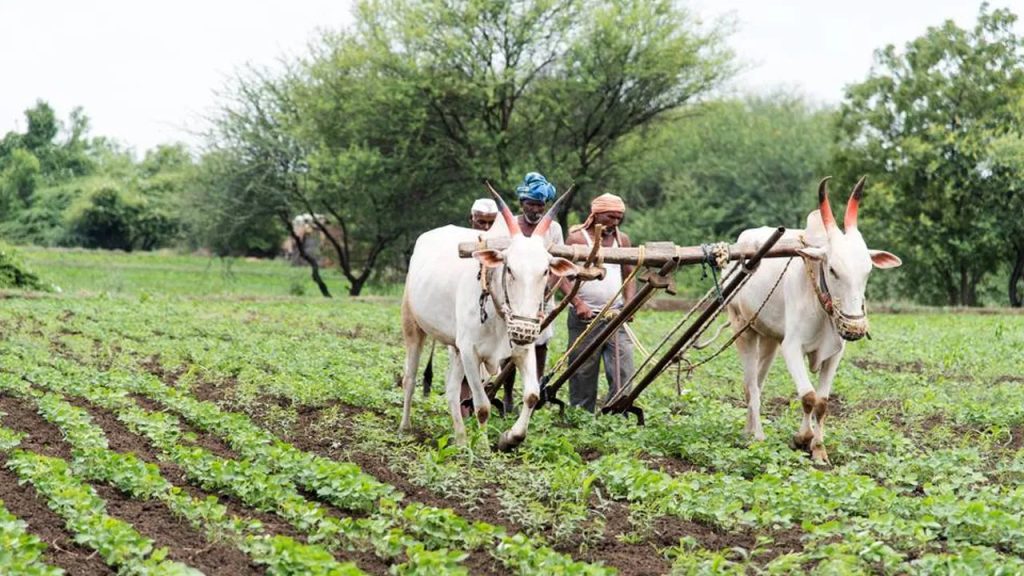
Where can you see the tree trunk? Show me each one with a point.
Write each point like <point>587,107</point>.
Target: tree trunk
<point>963,286</point>
<point>1016,277</point>
<point>314,266</point>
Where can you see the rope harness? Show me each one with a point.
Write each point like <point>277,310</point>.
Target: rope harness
<point>522,330</point>
<point>850,326</point>
<point>716,257</point>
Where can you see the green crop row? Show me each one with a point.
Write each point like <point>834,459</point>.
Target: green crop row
<point>21,552</point>
<point>390,530</point>
<point>94,461</point>
<point>84,513</point>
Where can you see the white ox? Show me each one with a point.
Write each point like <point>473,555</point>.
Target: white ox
<point>817,307</point>
<point>443,299</point>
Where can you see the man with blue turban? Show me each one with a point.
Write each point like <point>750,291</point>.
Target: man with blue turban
<point>534,194</point>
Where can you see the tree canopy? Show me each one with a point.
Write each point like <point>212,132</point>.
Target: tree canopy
<point>931,127</point>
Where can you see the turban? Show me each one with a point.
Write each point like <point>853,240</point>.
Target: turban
<point>485,206</point>
<point>599,205</point>
<point>607,203</point>
<point>535,187</point>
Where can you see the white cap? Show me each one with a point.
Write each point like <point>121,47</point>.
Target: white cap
<point>485,206</point>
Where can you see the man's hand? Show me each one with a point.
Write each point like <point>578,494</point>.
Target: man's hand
<point>583,311</point>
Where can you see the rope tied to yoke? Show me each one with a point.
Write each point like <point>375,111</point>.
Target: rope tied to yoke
<point>716,257</point>
<point>691,366</point>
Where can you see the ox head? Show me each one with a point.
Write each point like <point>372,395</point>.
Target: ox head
<point>526,267</point>
<point>844,262</point>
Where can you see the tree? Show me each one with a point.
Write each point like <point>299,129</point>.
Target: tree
<point>716,169</point>
<point>18,180</point>
<point>540,84</point>
<point>391,128</point>
<point>922,126</point>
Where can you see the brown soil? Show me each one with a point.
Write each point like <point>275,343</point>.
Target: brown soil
<point>670,465</point>
<point>120,439</point>
<point>43,438</point>
<point>915,367</point>
<point>630,559</point>
<point>1016,439</point>
<point>1009,378</point>
<point>151,519</point>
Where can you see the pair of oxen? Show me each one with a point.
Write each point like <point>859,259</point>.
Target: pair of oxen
<point>489,308</point>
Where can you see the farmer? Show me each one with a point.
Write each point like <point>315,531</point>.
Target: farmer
<point>608,211</point>
<point>482,214</point>
<point>534,194</point>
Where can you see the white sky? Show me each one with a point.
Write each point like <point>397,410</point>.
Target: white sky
<point>147,72</point>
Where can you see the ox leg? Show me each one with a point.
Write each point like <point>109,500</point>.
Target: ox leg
<point>767,348</point>
<point>820,410</point>
<point>414,338</point>
<point>453,393</point>
<point>748,347</point>
<point>527,365</point>
<point>471,365</point>
<point>794,357</point>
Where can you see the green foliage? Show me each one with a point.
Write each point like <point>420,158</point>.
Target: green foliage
<point>930,127</point>
<point>102,219</point>
<point>422,100</point>
<point>14,273</point>
<point>709,173</point>
<point>18,180</point>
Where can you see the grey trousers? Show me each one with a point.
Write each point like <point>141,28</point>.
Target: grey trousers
<point>617,353</point>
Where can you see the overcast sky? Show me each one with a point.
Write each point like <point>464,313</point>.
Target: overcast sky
<point>148,73</point>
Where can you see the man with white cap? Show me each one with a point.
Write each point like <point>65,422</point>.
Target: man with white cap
<point>608,211</point>
<point>482,214</point>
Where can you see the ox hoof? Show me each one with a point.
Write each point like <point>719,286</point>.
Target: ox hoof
<point>819,457</point>
<point>483,414</point>
<point>507,443</point>
<point>803,441</point>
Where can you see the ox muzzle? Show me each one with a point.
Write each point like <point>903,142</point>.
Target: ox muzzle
<point>522,330</point>
<point>851,327</point>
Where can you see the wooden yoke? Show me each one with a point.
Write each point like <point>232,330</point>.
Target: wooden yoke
<point>656,254</point>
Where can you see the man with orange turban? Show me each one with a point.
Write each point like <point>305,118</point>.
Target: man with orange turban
<point>607,210</point>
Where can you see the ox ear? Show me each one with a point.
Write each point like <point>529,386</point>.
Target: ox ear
<point>883,259</point>
<point>490,258</point>
<point>813,252</point>
<point>562,267</point>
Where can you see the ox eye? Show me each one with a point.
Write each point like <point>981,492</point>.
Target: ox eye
<point>832,271</point>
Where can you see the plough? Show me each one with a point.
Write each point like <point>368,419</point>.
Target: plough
<point>667,257</point>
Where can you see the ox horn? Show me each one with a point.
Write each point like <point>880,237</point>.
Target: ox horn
<point>824,208</point>
<point>850,221</point>
<point>545,223</point>
<point>510,219</point>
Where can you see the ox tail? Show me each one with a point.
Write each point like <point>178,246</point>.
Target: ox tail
<point>428,372</point>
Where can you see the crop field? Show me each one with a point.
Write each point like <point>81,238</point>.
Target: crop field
<point>239,430</point>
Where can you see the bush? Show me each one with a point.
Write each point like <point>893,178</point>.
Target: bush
<point>14,274</point>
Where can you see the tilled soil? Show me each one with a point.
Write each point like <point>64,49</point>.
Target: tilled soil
<point>150,518</point>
